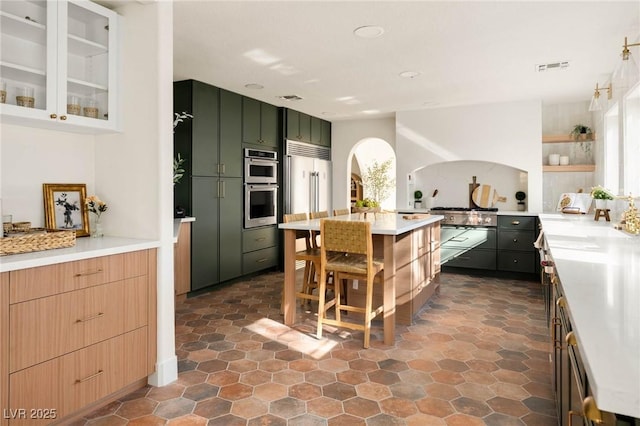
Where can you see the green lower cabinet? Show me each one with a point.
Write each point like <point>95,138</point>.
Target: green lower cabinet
<point>216,234</point>
<point>259,260</point>
<point>204,232</point>
<point>231,218</point>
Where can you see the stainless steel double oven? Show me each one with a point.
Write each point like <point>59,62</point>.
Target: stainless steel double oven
<point>260,188</point>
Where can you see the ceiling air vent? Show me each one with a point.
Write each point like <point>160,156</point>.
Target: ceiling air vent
<point>290,98</point>
<point>552,66</point>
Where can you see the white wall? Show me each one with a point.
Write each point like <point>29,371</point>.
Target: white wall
<point>31,157</point>
<point>507,133</point>
<point>344,136</point>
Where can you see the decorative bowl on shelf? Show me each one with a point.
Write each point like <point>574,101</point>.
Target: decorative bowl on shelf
<point>367,209</point>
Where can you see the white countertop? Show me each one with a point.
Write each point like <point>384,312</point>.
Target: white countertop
<point>85,248</point>
<point>499,212</point>
<point>383,224</point>
<point>176,226</point>
<point>599,268</point>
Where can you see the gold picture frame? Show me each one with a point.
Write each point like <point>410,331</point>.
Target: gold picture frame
<point>65,208</point>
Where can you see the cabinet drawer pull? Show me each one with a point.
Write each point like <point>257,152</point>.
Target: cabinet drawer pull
<point>84,274</point>
<point>570,338</point>
<point>264,259</point>
<point>63,117</point>
<point>93,376</point>
<point>53,116</point>
<point>261,239</point>
<point>515,222</point>
<point>463,258</point>
<point>515,240</point>
<point>92,317</point>
<point>561,302</point>
<point>224,169</point>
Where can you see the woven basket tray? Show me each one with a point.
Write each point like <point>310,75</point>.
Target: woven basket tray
<point>36,239</point>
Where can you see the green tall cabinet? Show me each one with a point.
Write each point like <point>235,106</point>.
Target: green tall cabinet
<point>211,188</point>
<point>259,123</point>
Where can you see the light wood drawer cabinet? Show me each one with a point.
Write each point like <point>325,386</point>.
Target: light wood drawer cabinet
<point>75,333</point>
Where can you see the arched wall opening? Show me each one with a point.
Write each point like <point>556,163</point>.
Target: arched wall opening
<point>362,156</point>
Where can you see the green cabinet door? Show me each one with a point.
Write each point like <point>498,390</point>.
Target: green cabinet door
<point>231,159</point>
<point>325,139</point>
<point>204,232</point>
<point>316,131</point>
<point>231,218</point>
<point>305,127</point>
<point>204,135</point>
<point>269,125</point>
<point>293,125</point>
<point>250,120</point>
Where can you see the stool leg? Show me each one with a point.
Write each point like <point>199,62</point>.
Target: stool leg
<point>336,295</point>
<point>367,311</point>
<point>321,300</point>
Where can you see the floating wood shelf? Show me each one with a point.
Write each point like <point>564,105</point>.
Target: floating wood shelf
<point>570,168</point>
<point>565,138</point>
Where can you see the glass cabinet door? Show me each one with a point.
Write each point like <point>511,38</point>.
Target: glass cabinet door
<point>28,58</point>
<point>86,77</point>
<point>58,64</point>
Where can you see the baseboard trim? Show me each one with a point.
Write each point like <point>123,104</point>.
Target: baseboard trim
<point>166,372</point>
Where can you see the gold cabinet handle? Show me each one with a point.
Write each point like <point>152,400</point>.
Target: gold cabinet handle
<point>261,239</point>
<point>84,274</point>
<point>555,322</point>
<point>91,317</point>
<point>53,116</point>
<point>570,338</point>
<point>264,259</point>
<point>224,169</point>
<point>591,410</point>
<point>554,280</point>
<point>561,302</point>
<point>93,376</point>
<point>63,117</point>
<point>515,222</point>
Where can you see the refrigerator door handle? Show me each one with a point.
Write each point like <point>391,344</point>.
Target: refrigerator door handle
<point>312,193</point>
<point>287,178</point>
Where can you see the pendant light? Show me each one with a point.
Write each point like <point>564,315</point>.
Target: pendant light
<point>627,73</point>
<point>595,100</point>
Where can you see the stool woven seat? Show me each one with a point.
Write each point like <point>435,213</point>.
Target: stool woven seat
<point>341,212</point>
<point>346,249</point>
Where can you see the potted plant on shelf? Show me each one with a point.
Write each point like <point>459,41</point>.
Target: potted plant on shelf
<point>520,196</point>
<point>583,135</point>
<point>601,195</point>
<point>417,195</point>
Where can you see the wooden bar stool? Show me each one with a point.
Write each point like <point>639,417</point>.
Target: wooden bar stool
<point>346,249</point>
<point>341,212</point>
<point>311,257</point>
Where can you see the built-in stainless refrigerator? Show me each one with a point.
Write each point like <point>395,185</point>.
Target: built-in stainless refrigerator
<point>307,171</point>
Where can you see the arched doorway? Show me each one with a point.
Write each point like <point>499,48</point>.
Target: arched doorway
<point>362,157</point>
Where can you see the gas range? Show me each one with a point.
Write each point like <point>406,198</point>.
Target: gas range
<point>465,216</point>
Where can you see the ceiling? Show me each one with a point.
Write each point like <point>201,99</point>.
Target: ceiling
<point>466,52</point>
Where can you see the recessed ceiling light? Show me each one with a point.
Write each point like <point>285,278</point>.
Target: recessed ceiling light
<point>255,86</point>
<point>409,74</point>
<point>290,98</point>
<point>369,31</point>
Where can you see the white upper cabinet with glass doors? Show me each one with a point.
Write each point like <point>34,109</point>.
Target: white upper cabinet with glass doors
<point>58,65</point>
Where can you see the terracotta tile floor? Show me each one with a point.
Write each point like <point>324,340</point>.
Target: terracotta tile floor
<point>476,354</point>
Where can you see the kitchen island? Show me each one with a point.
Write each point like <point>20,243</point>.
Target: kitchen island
<point>411,252</point>
<point>596,286</point>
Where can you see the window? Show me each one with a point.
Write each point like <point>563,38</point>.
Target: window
<point>632,141</point>
<point>611,149</point>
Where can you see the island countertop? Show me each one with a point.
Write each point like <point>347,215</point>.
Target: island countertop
<point>599,270</point>
<point>381,223</point>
